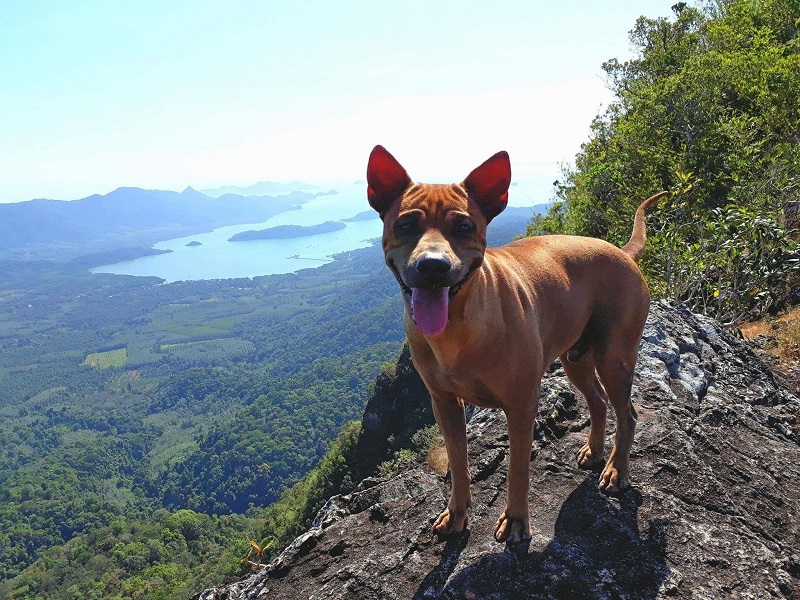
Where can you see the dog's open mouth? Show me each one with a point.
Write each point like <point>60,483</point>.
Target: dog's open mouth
<point>429,306</point>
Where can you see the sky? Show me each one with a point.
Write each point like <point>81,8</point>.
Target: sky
<point>164,94</point>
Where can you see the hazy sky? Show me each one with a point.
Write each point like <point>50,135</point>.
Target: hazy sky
<point>164,94</point>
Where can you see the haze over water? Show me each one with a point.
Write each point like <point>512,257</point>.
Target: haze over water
<point>217,258</point>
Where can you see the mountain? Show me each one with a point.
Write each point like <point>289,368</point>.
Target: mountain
<point>261,188</point>
<point>125,217</point>
<point>712,511</point>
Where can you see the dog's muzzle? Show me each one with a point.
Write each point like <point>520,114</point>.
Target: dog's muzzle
<point>427,302</point>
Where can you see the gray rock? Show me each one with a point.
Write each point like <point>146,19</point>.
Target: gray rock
<point>712,511</point>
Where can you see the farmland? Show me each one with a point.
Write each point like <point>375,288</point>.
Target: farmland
<point>108,359</point>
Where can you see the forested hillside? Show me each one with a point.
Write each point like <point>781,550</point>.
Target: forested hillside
<point>121,396</point>
<point>707,109</point>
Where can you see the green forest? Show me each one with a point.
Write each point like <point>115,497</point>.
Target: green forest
<point>123,398</point>
<point>149,431</point>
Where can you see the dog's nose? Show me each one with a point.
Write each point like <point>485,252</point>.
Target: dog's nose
<point>433,266</point>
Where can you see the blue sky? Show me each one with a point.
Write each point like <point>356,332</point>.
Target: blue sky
<point>96,95</point>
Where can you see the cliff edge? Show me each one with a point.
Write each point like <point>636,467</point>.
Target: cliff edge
<point>712,511</point>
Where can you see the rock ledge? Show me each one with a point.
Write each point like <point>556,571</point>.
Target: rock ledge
<point>712,512</point>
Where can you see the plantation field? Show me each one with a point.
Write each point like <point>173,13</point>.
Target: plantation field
<point>105,360</point>
<point>210,351</point>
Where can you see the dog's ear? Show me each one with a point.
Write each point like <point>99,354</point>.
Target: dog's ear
<point>386,180</point>
<point>488,184</point>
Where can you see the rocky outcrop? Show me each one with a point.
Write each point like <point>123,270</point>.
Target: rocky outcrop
<point>399,401</point>
<point>712,512</point>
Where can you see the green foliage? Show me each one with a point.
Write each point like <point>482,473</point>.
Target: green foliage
<point>426,439</point>
<point>359,453</point>
<point>400,459</point>
<point>82,446</point>
<point>209,352</point>
<point>739,264</point>
<point>254,454</point>
<point>294,511</point>
<point>169,556</point>
<point>708,110</point>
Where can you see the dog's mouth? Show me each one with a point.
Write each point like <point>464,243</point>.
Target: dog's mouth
<point>428,306</point>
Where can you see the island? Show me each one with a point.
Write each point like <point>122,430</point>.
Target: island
<point>366,215</point>
<point>283,232</point>
<point>194,243</point>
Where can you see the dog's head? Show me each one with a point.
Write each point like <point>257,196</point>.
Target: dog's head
<point>434,236</point>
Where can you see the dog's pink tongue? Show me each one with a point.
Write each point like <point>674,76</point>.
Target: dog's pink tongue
<point>429,309</point>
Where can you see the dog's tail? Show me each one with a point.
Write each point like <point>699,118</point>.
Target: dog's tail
<point>635,246</point>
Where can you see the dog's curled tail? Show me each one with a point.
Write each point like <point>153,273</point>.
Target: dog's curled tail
<point>635,246</point>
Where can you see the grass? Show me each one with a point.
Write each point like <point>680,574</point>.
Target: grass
<point>105,360</point>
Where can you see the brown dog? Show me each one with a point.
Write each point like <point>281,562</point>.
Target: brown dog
<point>484,325</point>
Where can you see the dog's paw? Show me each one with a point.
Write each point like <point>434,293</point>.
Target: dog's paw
<point>587,458</point>
<point>512,530</point>
<point>450,522</point>
<point>613,480</point>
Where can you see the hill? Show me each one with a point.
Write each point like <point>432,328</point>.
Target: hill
<point>711,511</point>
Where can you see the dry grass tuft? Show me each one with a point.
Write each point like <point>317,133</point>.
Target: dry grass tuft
<point>437,460</point>
<point>778,341</point>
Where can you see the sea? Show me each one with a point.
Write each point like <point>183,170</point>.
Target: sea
<point>214,257</point>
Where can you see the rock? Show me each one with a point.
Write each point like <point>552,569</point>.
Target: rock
<point>712,511</point>
<point>396,398</point>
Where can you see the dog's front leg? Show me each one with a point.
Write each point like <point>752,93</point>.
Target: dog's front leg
<point>514,524</point>
<point>449,413</point>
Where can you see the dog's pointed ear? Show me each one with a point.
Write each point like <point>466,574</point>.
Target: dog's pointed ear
<point>386,180</point>
<point>489,183</point>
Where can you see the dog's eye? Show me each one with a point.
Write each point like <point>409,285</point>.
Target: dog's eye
<point>465,228</point>
<point>405,227</point>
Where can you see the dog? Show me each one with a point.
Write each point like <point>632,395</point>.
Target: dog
<point>483,325</point>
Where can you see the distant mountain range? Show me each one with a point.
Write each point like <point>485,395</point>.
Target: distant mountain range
<point>127,216</point>
<point>261,188</point>
<point>123,224</point>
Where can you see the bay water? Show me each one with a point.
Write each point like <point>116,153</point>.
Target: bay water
<point>217,258</point>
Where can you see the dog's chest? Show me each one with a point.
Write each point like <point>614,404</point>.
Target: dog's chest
<point>461,372</point>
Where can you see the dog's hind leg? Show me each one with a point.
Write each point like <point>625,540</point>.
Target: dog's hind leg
<point>449,413</point>
<point>583,376</point>
<point>615,368</point>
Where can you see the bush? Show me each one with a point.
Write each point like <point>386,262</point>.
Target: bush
<point>735,265</point>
